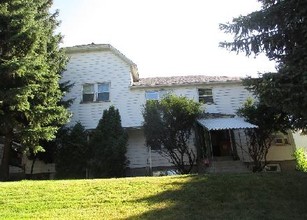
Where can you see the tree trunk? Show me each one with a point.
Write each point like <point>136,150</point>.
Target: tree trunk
<point>32,166</point>
<point>4,167</point>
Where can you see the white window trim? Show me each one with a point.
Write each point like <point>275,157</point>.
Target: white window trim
<point>92,93</point>
<point>203,96</point>
<point>95,93</point>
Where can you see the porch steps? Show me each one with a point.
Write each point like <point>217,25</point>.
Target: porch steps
<point>227,166</point>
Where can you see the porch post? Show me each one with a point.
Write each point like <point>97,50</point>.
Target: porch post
<point>231,144</point>
<point>211,147</point>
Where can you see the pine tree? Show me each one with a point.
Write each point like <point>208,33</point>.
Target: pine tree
<point>30,66</point>
<point>109,146</point>
<point>278,29</point>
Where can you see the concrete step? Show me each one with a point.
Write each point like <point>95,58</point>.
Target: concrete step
<point>227,167</point>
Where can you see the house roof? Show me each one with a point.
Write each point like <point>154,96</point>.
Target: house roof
<point>225,123</point>
<point>104,47</point>
<point>183,80</point>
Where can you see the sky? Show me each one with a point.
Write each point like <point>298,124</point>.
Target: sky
<point>162,37</point>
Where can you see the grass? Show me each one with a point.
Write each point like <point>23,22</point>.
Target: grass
<point>244,196</point>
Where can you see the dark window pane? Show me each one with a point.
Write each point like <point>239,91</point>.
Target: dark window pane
<point>205,96</point>
<point>208,99</point>
<point>88,97</point>
<point>104,96</point>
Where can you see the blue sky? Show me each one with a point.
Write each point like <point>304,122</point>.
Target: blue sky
<point>163,37</point>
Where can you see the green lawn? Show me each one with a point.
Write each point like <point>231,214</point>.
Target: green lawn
<point>244,196</point>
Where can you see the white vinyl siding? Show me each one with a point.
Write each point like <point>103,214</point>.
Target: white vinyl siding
<point>102,67</point>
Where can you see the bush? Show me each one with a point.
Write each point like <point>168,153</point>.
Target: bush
<point>109,146</point>
<point>301,159</point>
<point>72,152</point>
<point>168,127</point>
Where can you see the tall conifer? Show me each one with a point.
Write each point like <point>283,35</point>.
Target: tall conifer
<point>30,66</point>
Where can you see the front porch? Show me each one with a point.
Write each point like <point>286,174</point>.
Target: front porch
<point>219,145</point>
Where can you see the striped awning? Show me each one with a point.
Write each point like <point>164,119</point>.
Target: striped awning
<point>225,123</point>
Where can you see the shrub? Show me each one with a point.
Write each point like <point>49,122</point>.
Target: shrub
<point>72,152</point>
<point>109,146</point>
<point>301,159</point>
<point>168,127</point>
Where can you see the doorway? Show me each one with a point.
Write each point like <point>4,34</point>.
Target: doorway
<point>221,143</point>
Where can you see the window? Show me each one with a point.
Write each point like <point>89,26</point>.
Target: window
<point>205,96</point>
<point>96,92</point>
<point>152,95</point>
<point>103,92</point>
<point>88,93</point>
<point>156,95</point>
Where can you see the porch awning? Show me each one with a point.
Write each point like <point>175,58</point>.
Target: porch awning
<point>225,123</point>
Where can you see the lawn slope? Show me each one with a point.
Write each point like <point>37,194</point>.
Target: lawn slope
<point>244,196</point>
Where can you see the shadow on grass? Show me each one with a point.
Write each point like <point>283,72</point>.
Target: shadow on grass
<point>242,196</point>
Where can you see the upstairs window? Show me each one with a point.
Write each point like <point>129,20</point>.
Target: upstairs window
<point>88,93</point>
<point>98,92</point>
<point>152,95</point>
<point>205,96</point>
<point>103,92</point>
<point>156,95</point>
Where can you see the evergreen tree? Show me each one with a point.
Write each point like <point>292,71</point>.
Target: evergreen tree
<point>72,153</point>
<point>109,146</point>
<point>50,146</point>
<point>278,29</point>
<point>30,63</point>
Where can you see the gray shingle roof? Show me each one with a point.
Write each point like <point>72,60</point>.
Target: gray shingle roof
<point>183,80</point>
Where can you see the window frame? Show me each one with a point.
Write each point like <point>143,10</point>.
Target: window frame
<point>103,92</point>
<point>205,98</point>
<point>88,94</point>
<point>92,95</point>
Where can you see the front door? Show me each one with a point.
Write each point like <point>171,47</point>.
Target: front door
<point>221,144</point>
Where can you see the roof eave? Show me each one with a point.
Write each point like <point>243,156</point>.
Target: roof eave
<point>187,84</point>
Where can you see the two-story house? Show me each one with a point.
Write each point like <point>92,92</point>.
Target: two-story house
<point>103,76</point>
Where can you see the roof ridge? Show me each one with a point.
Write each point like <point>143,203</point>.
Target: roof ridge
<point>184,80</point>
<point>191,76</point>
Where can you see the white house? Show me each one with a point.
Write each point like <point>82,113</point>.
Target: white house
<point>103,76</point>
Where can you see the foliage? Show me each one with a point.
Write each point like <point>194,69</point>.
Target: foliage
<point>109,146</point>
<point>279,30</point>
<point>30,66</point>
<point>243,196</point>
<point>72,153</point>
<point>269,121</point>
<point>301,159</point>
<point>50,147</point>
<point>167,127</point>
